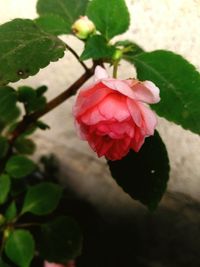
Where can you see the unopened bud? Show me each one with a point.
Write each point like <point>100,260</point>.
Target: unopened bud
<point>117,55</point>
<point>83,27</point>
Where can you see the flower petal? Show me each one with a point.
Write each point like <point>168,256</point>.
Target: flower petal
<point>100,73</point>
<point>145,91</point>
<point>114,106</point>
<point>149,120</point>
<point>89,98</point>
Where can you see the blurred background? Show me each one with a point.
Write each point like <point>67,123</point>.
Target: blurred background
<point>155,24</point>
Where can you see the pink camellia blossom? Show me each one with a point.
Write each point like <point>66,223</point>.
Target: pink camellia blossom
<point>69,264</point>
<point>112,114</point>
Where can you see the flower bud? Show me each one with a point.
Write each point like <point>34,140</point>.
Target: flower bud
<point>117,55</point>
<point>83,27</point>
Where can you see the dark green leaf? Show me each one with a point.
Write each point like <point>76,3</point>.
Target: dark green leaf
<point>31,98</point>
<point>20,247</point>
<point>52,24</point>
<point>129,48</point>
<point>179,84</point>
<point>42,125</point>
<point>11,212</point>
<point>4,187</point>
<point>42,199</point>
<point>8,99</point>
<point>110,17</point>
<point>20,166</point>
<point>25,146</point>
<point>40,91</point>
<point>96,48</point>
<point>26,94</point>
<point>144,175</point>
<point>24,49</point>
<point>68,10</point>
<point>61,240</point>
<point>4,146</point>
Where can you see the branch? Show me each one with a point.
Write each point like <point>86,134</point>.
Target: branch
<point>77,57</point>
<point>28,120</point>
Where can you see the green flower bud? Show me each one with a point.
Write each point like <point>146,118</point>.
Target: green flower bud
<point>83,27</point>
<point>117,55</point>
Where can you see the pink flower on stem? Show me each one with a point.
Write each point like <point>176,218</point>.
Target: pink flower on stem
<point>113,115</point>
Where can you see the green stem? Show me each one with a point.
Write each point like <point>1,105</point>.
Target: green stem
<point>115,68</point>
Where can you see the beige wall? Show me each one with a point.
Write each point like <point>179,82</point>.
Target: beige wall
<point>168,24</point>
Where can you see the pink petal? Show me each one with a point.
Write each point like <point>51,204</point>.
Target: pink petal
<point>89,98</point>
<point>145,91</point>
<point>114,107</point>
<point>138,140</point>
<point>135,112</point>
<point>100,73</point>
<point>149,120</point>
<point>119,85</point>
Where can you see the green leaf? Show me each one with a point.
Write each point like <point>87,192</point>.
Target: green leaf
<point>129,48</point>
<point>31,98</point>
<point>25,49</point>
<point>42,198</point>
<point>8,103</point>
<point>4,187</point>
<point>3,264</point>
<point>40,91</point>
<point>61,240</point>
<point>179,84</point>
<point>144,175</point>
<point>4,146</point>
<point>52,24</point>
<point>110,17</point>
<point>96,48</point>
<point>41,125</point>
<point>25,146</point>
<point>20,166</point>
<point>20,247</point>
<point>68,10</point>
<point>11,212</point>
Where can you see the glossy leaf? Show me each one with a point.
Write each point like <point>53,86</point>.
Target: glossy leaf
<point>25,146</point>
<point>96,48</point>
<point>11,212</point>
<point>19,166</point>
<point>8,104</point>
<point>20,247</point>
<point>110,17</point>
<point>42,198</point>
<point>68,10</point>
<point>144,175</point>
<point>25,49</point>
<point>4,187</point>
<point>61,240</point>
<point>179,84</point>
<point>52,24</point>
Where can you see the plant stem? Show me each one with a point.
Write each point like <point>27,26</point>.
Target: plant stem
<point>115,68</point>
<point>28,120</point>
<point>77,57</point>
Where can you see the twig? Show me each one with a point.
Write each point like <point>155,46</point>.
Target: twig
<point>28,120</point>
<point>77,57</point>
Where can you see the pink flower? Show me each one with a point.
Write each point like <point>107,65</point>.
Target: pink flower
<point>112,114</point>
<point>69,264</point>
